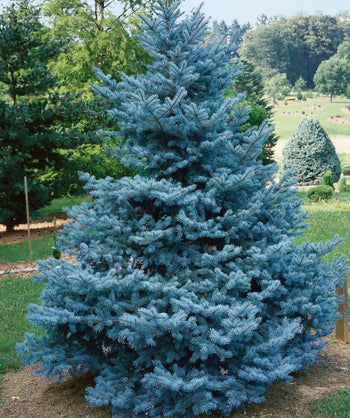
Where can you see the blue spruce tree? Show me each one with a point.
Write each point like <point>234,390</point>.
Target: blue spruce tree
<point>189,294</point>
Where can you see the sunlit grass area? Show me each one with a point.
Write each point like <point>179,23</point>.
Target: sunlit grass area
<point>15,295</point>
<point>333,405</point>
<point>57,205</point>
<point>288,114</point>
<point>326,219</point>
<point>19,251</point>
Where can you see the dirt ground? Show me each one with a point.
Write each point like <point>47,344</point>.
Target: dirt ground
<point>38,229</point>
<point>20,233</point>
<point>27,395</point>
<point>339,119</point>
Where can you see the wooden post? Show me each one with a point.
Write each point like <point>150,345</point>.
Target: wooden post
<point>342,325</point>
<point>28,222</point>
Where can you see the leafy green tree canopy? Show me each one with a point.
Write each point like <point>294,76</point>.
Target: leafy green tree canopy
<point>272,49</point>
<point>333,75</point>
<point>278,86</point>
<point>295,46</point>
<point>92,39</point>
<point>300,84</point>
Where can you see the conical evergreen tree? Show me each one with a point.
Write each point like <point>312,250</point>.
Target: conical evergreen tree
<point>189,294</point>
<point>311,153</point>
<point>250,82</point>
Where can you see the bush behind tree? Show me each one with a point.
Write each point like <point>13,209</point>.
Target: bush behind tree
<point>250,82</point>
<point>345,163</point>
<point>321,192</point>
<point>327,179</point>
<point>343,186</point>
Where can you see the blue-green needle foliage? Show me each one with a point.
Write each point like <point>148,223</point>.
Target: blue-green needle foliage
<point>189,294</point>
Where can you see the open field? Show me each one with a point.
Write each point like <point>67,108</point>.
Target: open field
<point>334,116</point>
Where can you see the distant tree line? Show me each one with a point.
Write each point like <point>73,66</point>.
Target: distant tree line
<point>295,46</point>
<point>52,125</point>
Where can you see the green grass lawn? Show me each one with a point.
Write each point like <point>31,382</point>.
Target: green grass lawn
<point>12,253</point>
<point>56,205</point>
<point>41,248</point>
<point>333,405</point>
<point>287,116</point>
<point>15,295</point>
<point>326,219</point>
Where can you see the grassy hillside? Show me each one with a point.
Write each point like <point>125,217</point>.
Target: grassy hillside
<point>334,117</point>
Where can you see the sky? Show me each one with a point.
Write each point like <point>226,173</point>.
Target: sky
<point>248,10</point>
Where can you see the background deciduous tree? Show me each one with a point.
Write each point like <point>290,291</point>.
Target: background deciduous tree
<point>278,86</point>
<point>36,122</point>
<point>295,46</point>
<point>92,38</point>
<point>333,75</point>
<point>272,49</point>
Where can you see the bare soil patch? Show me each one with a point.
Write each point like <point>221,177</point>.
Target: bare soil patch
<point>293,114</point>
<point>314,107</point>
<point>345,110</point>
<point>26,268</point>
<point>339,120</point>
<point>38,229</point>
<point>29,395</point>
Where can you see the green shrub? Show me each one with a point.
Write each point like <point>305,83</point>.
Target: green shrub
<point>311,153</point>
<point>321,192</point>
<point>342,186</point>
<point>346,169</point>
<point>345,163</point>
<point>328,179</point>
